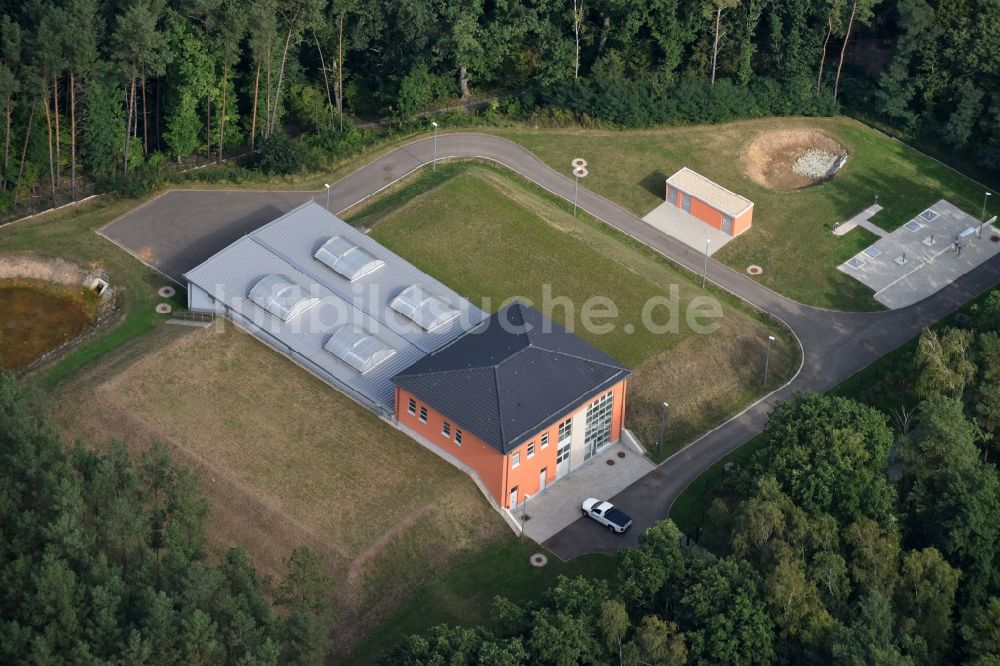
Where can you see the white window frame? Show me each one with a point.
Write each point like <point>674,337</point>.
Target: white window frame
<point>545,440</point>
<point>458,436</point>
<point>411,407</point>
<point>446,429</point>
<point>531,450</point>
<point>515,460</point>
<point>423,414</point>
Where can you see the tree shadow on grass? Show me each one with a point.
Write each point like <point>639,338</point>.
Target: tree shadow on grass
<point>655,183</point>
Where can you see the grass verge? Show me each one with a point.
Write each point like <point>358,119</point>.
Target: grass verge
<point>791,236</point>
<point>465,596</point>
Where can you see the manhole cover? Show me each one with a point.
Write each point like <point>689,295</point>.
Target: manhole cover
<point>166,291</point>
<point>163,308</point>
<point>538,560</point>
<point>387,167</point>
<point>754,269</point>
<point>610,461</point>
<point>995,239</point>
<point>621,454</point>
<point>657,474</point>
<point>525,517</point>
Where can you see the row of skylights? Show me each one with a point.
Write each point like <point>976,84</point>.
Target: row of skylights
<point>358,348</point>
<point>347,259</point>
<point>422,307</point>
<point>281,297</point>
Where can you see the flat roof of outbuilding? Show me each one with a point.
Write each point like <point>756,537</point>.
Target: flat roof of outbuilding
<point>710,192</point>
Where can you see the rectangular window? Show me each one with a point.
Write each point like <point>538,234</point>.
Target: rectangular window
<point>531,450</point>
<point>545,440</point>
<point>423,415</point>
<point>412,407</point>
<point>515,460</point>
<point>446,429</point>
<point>597,434</point>
<point>458,436</point>
<point>565,430</point>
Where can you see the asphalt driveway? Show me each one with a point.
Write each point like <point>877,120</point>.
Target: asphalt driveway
<point>179,230</point>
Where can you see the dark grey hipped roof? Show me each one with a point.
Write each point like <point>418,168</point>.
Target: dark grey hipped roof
<point>511,376</point>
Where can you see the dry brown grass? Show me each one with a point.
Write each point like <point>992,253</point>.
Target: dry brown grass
<point>285,461</point>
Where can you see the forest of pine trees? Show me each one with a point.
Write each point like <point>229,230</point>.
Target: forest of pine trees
<point>101,90</point>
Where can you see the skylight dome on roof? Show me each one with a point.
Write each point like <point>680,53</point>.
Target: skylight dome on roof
<point>427,310</point>
<point>281,297</point>
<point>358,348</point>
<point>347,259</point>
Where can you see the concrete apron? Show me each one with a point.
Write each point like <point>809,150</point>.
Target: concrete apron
<point>686,228</point>
<point>559,505</point>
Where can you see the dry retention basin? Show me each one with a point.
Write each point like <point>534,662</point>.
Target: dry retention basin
<point>37,316</point>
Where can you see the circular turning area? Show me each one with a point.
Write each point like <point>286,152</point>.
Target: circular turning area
<point>793,159</point>
<point>538,560</point>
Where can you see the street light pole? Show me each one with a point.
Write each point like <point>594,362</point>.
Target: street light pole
<point>327,186</point>
<point>982,220</point>
<point>663,427</point>
<point>435,163</point>
<point>704,273</point>
<point>767,357</point>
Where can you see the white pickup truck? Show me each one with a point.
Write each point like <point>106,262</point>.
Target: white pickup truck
<point>606,514</point>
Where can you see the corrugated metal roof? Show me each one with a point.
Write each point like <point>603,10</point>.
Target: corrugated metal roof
<point>712,193</point>
<point>511,376</point>
<point>287,249</point>
<point>297,235</point>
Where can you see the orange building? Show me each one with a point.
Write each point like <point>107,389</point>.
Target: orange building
<point>710,202</point>
<point>518,400</point>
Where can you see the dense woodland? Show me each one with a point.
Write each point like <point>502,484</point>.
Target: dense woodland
<point>854,537</point>
<point>102,561</point>
<point>109,90</point>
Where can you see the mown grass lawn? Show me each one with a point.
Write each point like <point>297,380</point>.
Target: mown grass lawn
<point>791,236</point>
<point>491,237</point>
<point>465,596</point>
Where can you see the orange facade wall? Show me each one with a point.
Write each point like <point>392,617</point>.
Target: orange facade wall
<point>713,217</point>
<point>495,469</point>
<point>487,462</point>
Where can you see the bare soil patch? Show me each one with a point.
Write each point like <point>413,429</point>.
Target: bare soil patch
<point>285,461</point>
<point>775,158</point>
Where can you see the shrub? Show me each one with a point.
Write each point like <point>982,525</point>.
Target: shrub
<point>278,155</point>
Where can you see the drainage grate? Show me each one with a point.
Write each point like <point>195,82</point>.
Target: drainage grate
<point>929,215</point>
<point>855,262</point>
<point>913,225</point>
<point>873,251</point>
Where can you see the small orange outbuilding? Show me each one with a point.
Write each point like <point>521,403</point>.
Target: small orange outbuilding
<point>710,202</point>
<point>518,399</point>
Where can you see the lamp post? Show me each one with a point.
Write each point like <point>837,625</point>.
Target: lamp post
<point>663,427</point>
<point>704,273</point>
<point>579,171</point>
<point>327,186</point>
<point>767,357</point>
<point>982,220</point>
<point>435,162</point>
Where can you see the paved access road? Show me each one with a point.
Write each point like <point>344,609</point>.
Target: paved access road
<point>835,345</point>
